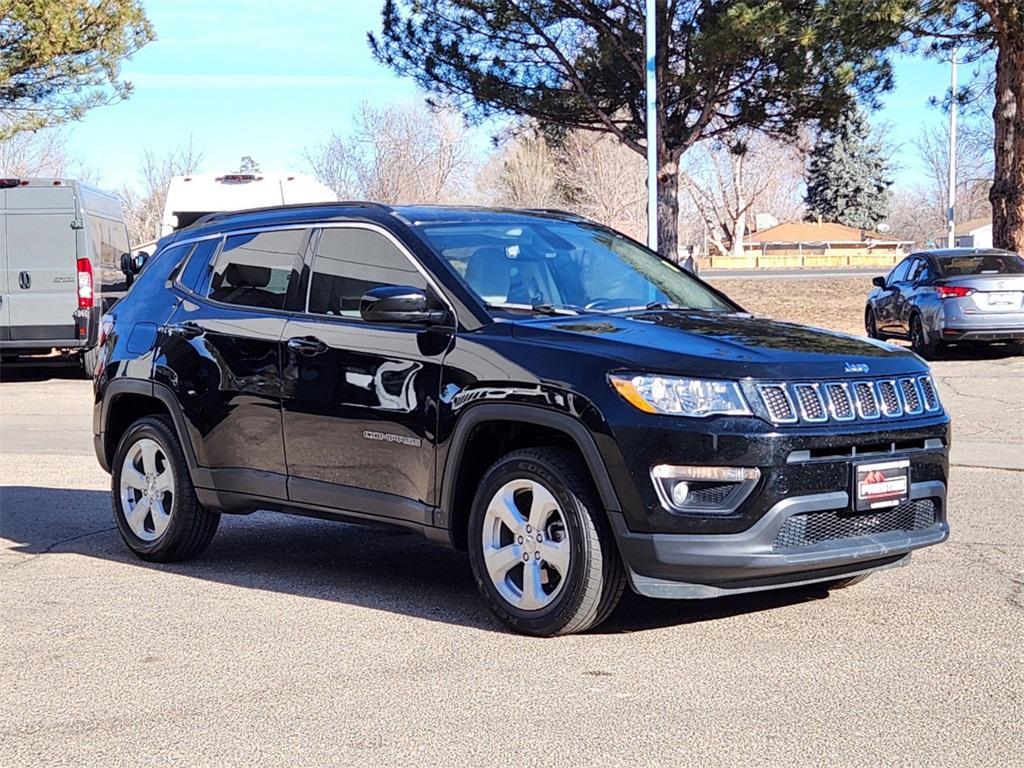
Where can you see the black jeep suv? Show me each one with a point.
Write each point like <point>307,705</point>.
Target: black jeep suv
<point>573,410</point>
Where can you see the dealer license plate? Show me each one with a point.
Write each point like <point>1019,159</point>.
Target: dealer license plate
<point>1005,298</point>
<point>886,484</point>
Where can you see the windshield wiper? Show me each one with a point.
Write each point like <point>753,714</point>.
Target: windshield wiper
<point>540,309</point>
<point>642,307</point>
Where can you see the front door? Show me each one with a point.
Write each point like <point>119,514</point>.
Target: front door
<point>221,353</point>
<point>360,399</point>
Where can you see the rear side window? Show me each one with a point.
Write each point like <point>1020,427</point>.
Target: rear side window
<point>258,269</point>
<point>348,263</point>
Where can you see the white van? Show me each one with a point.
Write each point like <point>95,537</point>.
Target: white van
<point>61,244</point>
<point>191,197</point>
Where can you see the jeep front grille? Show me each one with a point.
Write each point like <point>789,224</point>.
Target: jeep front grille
<point>810,528</point>
<point>844,401</point>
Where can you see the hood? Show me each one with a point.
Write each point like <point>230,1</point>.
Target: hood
<point>721,345</point>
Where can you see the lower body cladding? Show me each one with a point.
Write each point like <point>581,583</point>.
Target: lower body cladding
<point>799,540</point>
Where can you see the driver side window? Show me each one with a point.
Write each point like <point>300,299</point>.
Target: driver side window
<point>899,274</point>
<point>349,262</point>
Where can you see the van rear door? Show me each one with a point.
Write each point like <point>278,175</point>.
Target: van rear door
<point>42,258</point>
<point>5,283</point>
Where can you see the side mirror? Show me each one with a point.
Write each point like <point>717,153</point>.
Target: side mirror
<point>399,304</point>
<point>132,265</point>
<point>878,282</point>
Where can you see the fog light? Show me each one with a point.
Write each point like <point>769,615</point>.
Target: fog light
<point>679,493</point>
<point>703,490</point>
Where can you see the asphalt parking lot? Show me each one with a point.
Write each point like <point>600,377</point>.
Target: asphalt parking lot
<point>300,642</point>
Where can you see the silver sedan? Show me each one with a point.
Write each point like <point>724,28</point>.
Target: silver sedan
<point>939,297</point>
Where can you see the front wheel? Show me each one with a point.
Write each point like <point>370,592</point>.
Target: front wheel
<point>871,324</point>
<point>541,550</point>
<point>155,504</point>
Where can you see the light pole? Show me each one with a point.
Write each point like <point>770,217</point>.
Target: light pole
<point>951,210</point>
<point>652,127</point>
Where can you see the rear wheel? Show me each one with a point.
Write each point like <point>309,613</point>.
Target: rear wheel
<point>541,550</point>
<point>155,504</point>
<point>919,340</point>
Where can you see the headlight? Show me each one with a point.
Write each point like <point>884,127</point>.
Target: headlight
<point>680,396</point>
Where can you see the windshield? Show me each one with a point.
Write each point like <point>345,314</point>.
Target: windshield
<point>558,265</point>
<point>982,264</point>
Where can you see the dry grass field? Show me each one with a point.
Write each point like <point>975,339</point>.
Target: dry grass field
<point>836,303</point>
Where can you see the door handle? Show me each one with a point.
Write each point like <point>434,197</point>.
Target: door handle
<point>24,280</point>
<point>307,345</point>
<point>187,330</point>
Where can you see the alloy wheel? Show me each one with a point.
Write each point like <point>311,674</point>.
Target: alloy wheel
<point>526,544</point>
<point>147,489</point>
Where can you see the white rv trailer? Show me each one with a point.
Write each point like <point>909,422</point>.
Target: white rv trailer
<point>191,197</point>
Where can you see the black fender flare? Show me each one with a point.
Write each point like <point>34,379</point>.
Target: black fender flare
<point>164,395</point>
<point>544,417</point>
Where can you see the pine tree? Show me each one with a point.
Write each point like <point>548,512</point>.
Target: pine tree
<point>722,66</point>
<point>848,179</point>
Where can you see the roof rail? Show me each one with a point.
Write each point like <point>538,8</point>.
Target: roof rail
<point>221,215</point>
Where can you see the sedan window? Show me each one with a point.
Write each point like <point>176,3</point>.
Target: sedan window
<point>982,264</point>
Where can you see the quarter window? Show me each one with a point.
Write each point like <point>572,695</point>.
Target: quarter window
<point>258,269</point>
<point>351,261</point>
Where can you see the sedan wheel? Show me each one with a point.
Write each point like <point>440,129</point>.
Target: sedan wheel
<point>919,341</point>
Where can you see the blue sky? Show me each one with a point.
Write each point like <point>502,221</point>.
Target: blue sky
<point>269,78</point>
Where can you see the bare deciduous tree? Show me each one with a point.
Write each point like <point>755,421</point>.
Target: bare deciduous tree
<point>401,153</point>
<point>144,205</point>
<point>605,181</point>
<point>38,153</point>
<point>523,174</point>
<point>731,181</point>
<point>974,169</point>
<point>589,173</point>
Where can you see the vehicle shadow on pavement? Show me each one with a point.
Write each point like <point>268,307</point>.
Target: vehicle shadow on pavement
<point>380,568</point>
<point>34,372</point>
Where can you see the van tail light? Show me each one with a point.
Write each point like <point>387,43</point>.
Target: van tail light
<point>84,284</point>
<point>953,291</point>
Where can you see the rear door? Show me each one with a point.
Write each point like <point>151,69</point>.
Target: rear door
<point>5,298</point>
<point>222,357</point>
<point>42,254</point>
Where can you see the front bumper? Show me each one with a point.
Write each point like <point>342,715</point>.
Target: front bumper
<point>699,566</point>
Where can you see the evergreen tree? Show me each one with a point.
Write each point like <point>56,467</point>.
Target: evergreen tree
<point>60,58</point>
<point>848,179</point>
<point>722,66</point>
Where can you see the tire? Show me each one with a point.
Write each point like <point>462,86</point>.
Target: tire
<point>182,528</point>
<point>870,324</point>
<point>844,583</point>
<point>90,359</point>
<point>577,591</point>
<point>919,341</point>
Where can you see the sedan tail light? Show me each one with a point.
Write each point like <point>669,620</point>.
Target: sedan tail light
<point>953,291</point>
<point>84,284</point>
